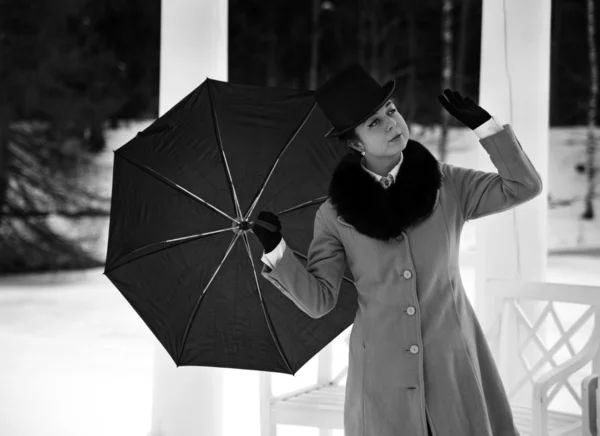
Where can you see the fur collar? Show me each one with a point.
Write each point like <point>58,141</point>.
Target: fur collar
<point>384,213</point>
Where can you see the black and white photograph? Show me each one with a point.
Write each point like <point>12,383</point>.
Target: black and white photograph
<point>299,218</point>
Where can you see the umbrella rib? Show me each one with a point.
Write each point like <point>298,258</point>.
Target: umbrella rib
<point>264,183</point>
<point>181,240</point>
<point>265,312</point>
<point>197,307</point>
<point>297,253</point>
<point>302,205</point>
<point>220,143</point>
<point>176,186</point>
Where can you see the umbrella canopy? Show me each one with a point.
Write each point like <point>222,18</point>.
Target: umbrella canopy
<point>184,196</point>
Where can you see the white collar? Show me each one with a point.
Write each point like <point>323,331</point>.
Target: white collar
<point>393,172</point>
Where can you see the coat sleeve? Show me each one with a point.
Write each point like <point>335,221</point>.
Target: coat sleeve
<point>313,289</point>
<point>481,193</point>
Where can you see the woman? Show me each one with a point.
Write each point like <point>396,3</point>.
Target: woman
<point>418,362</point>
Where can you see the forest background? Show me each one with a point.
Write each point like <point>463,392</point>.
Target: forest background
<point>72,69</point>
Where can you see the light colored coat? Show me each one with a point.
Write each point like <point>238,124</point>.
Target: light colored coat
<point>417,350</point>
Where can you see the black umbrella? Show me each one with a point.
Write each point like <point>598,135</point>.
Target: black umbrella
<point>180,249</point>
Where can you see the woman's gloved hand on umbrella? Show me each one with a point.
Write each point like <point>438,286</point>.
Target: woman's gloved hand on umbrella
<point>464,110</point>
<point>269,239</point>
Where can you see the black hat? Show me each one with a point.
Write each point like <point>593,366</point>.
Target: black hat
<point>350,97</point>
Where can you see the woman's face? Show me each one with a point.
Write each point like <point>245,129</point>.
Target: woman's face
<point>377,133</point>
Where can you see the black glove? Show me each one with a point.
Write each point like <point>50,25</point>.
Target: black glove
<point>269,239</point>
<point>464,110</point>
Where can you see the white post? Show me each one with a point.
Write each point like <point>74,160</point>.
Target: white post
<point>514,86</point>
<point>189,401</point>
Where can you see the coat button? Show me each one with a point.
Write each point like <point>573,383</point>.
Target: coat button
<point>414,349</point>
<point>407,274</point>
<point>410,310</point>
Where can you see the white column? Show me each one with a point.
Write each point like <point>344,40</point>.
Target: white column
<point>189,401</point>
<point>514,86</point>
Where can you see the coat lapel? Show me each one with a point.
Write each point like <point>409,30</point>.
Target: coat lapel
<point>361,202</point>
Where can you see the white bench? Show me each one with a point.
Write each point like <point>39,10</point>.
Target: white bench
<point>319,405</point>
<point>532,384</point>
<point>591,397</point>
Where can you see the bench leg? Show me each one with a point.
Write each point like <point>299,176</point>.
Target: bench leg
<point>589,389</point>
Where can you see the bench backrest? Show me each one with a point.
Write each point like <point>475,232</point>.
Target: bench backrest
<point>540,330</point>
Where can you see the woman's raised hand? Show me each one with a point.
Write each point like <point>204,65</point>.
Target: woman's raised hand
<point>464,110</point>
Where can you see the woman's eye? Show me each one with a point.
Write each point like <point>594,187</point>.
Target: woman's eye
<point>391,111</point>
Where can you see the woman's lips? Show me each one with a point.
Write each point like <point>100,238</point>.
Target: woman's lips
<point>397,137</point>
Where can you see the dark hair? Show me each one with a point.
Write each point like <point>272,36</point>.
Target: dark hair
<point>351,135</point>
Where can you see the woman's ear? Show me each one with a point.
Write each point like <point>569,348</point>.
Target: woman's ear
<point>355,144</point>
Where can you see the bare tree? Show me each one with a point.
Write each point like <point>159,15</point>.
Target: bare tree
<point>315,37</point>
<point>558,18</point>
<point>447,42</point>
<point>272,68</point>
<point>593,96</point>
<point>411,100</point>
<point>52,212</point>
<point>378,35</point>
<point>372,13</point>
<point>4,160</point>
<point>462,45</point>
<point>363,24</point>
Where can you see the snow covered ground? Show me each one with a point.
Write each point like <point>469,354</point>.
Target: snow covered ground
<point>77,361</point>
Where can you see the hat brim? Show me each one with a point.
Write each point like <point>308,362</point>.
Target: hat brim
<point>386,91</point>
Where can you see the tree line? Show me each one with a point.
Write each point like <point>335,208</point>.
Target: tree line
<point>70,68</point>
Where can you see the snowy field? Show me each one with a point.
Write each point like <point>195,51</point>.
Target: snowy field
<point>77,361</point>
